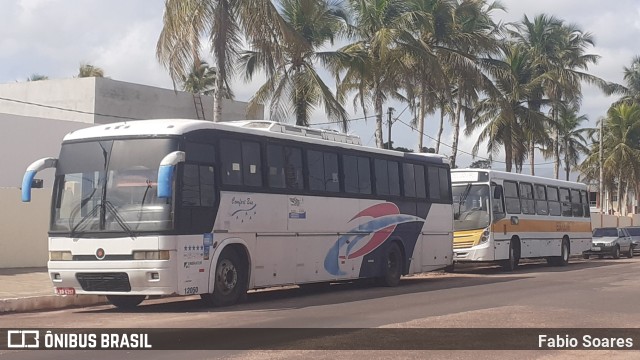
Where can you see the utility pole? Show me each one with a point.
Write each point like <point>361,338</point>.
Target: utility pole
<point>601,182</point>
<point>390,122</point>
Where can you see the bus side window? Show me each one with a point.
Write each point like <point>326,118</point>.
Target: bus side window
<point>512,200</point>
<point>585,204</point>
<point>498,202</point>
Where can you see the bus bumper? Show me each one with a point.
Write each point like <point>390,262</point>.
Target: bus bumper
<point>477,253</point>
<point>147,277</point>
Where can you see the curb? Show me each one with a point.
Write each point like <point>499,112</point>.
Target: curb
<point>48,302</point>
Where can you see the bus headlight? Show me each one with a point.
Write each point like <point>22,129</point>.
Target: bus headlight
<point>485,236</point>
<point>151,255</point>
<point>60,256</point>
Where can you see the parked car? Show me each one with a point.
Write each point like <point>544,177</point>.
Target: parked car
<point>634,231</point>
<point>610,241</point>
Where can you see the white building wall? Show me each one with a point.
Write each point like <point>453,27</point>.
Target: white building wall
<point>73,94</point>
<point>25,139</point>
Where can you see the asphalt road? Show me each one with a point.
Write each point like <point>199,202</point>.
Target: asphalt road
<point>585,294</point>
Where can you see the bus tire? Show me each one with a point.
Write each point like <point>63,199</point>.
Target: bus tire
<point>125,302</point>
<point>514,257</point>
<point>563,259</point>
<point>392,266</point>
<point>230,283</point>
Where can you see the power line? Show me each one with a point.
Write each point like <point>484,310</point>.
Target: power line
<point>66,109</point>
<point>337,122</point>
<point>459,150</point>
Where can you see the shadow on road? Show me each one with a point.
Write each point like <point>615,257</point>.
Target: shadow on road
<point>276,299</point>
<point>534,266</point>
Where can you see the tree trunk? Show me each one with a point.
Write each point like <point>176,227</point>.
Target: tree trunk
<point>556,146</point>
<point>440,130</point>
<point>456,130</point>
<point>532,162</point>
<point>619,195</point>
<point>508,152</point>
<point>217,99</point>
<point>626,199</point>
<point>378,105</point>
<point>421,115</point>
<point>567,166</point>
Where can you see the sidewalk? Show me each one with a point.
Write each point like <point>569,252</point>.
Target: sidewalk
<point>30,289</point>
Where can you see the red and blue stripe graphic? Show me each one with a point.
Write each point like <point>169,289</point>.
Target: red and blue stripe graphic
<point>384,219</point>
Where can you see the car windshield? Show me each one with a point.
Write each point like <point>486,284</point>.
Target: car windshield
<point>471,207</point>
<point>605,232</point>
<point>110,186</point>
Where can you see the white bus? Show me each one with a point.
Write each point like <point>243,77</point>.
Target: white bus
<point>505,217</point>
<point>164,207</point>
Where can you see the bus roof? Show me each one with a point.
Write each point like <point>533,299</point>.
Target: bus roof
<point>258,127</point>
<point>517,177</point>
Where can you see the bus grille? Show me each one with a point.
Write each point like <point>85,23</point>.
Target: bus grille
<point>463,244</point>
<point>104,281</point>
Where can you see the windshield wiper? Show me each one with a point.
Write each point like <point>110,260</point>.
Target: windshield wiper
<point>116,216</point>
<point>91,213</point>
<point>463,198</point>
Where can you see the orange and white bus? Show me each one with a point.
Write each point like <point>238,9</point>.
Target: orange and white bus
<point>505,217</point>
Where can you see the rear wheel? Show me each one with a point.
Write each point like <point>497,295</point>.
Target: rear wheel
<point>392,266</point>
<point>126,302</point>
<point>514,257</point>
<point>563,259</point>
<point>230,283</point>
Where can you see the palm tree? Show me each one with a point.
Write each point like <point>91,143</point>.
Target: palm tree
<point>572,136</point>
<point>294,86</point>
<point>632,79</point>
<point>559,51</point>
<point>475,37</point>
<point>620,142</point>
<point>37,77</point>
<point>373,63</point>
<point>223,23</point>
<point>201,79</point>
<point>503,112</point>
<point>88,70</point>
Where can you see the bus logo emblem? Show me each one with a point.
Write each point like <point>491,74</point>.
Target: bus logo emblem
<point>100,254</point>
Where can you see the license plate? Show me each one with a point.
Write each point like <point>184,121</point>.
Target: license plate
<point>65,291</point>
<point>595,248</point>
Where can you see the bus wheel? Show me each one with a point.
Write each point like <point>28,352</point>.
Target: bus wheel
<point>616,252</point>
<point>514,257</point>
<point>563,259</point>
<point>392,266</point>
<point>230,284</point>
<point>125,302</point>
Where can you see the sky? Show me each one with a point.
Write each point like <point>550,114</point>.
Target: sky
<point>53,37</point>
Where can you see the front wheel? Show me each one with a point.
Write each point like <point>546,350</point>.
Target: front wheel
<point>230,283</point>
<point>392,270</point>
<point>126,302</point>
<point>630,253</point>
<point>514,258</point>
<point>616,252</point>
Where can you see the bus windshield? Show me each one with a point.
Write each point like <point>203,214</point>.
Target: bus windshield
<point>471,207</point>
<point>110,186</point>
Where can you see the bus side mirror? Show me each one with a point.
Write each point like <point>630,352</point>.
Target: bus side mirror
<point>166,171</point>
<point>29,175</point>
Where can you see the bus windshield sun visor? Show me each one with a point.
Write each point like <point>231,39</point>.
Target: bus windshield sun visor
<point>30,174</point>
<point>165,172</point>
